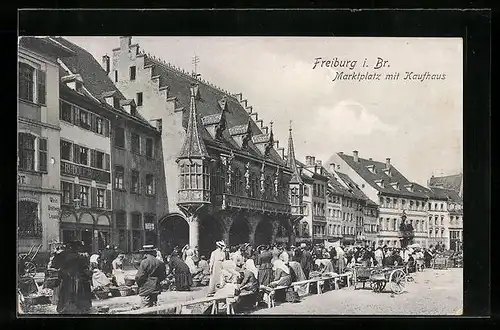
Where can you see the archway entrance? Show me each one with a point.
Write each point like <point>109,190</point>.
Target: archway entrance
<point>239,232</point>
<point>174,231</point>
<point>210,232</point>
<point>263,233</point>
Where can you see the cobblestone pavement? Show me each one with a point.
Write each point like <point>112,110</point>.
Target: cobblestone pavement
<point>433,292</point>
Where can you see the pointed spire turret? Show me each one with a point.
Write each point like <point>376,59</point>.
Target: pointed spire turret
<point>290,159</point>
<point>193,144</point>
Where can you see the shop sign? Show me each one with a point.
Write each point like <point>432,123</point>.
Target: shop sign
<point>85,172</point>
<point>54,209</point>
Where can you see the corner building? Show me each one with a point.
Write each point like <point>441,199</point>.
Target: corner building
<point>225,176</point>
<point>38,135</point>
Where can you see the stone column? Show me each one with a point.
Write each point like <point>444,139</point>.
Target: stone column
<point>194,224</point>
<point>291,234</point>
<point>225,237</point>
<point>275,224</point>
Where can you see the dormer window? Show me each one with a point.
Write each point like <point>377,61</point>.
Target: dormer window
<point>371,168</point>
<point>387,171</point>
<point>73,81</point>
<point>409,187</point>
<point>395,185</point>
<point>116,103</point>
<point>380,183</point>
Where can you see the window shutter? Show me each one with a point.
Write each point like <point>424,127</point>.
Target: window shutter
<point>76,116</point>
<point>93,197</point>
<point>76,153</point>
<point>41,86</point>
<point>106,162</point>
<point>42,159</point>
<point>93,124</point>
<point>108,199</point>
<point>106,128</point>
<point>76,191</point>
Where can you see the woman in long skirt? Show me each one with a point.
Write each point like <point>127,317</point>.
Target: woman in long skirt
<point>265,266</point>
<point>216,259</point>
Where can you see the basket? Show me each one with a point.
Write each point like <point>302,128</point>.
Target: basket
<point>102,294</point>
<point>124,291</point>
<point>129,281</point>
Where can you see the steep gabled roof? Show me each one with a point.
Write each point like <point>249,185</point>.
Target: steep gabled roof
<point>209,105</point>
<point>354,189</point>
<point>361,167</point>
<point>193,144</point>
<point>95,78</point>
<point>453,182</point>
<point>447,194</point>
<point>46,46</point>
<point>428,192</point>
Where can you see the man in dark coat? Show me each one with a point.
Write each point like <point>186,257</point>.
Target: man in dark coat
<point>107,257</point>
<point>306,260</point>
<point>182,274</point>
<point>75,296</point>
<point>149,276</point>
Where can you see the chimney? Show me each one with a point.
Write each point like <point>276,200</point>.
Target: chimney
<point>319,163</point>
<point>387,163</point>
<point>312,160</point>
<point>105,63</point>
<point>125,42</point>
<point>332,167</point>
<point>277,144</point>
<point>355,155</point>
<point>370,158</point>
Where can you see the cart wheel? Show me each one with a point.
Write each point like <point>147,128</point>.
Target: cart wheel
<point>30,269</point>
<point>397,280</point>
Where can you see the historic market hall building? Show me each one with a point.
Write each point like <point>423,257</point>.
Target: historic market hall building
<point>225,177</point>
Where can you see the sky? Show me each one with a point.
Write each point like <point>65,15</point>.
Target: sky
<point>418,124</point>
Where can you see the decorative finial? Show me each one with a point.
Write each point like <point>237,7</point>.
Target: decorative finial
<point>290,128</point>
<point>271,124</point>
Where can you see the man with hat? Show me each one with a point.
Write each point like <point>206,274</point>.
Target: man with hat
<point>216,258</point>
<point>306,261</point>
<point>149,275</point>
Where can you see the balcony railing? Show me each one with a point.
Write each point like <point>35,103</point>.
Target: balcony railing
<point>319,218</point>
<point>33,230</point>
<point>248,203</point>
<point>298,210</point>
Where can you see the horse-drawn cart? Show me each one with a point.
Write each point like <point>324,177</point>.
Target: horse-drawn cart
<point>379,277</point>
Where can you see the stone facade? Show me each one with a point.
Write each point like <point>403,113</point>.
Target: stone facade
<point>38,148</point>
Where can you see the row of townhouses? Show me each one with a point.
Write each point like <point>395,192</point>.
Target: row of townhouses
<point>132,150</point>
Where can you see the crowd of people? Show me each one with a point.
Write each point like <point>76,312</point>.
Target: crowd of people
<point>75,277</point>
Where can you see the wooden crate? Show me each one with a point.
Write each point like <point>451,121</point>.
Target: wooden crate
<point>441,263</point>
